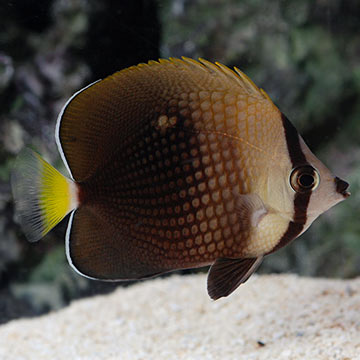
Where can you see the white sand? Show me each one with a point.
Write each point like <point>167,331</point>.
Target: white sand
<point>173,318</point>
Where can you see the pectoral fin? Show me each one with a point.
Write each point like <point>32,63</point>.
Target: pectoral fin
<point>250,209</point>
<point>225,275</point>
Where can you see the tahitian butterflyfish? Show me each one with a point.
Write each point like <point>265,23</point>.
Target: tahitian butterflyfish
<point>172,165</point>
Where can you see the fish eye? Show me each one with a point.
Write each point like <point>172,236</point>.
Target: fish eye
<point>304,179</point>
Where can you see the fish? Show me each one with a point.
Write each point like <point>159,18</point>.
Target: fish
<point>174,164</point>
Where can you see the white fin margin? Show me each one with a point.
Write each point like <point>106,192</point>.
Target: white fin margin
<point>68,256</point>
<point>67,248</point>
<point>57,129</point>
<point>252,269</point>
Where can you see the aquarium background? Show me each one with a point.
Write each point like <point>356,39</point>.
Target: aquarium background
<point>304,53</point>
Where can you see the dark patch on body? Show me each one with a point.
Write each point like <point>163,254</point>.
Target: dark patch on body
<point>143,193</point>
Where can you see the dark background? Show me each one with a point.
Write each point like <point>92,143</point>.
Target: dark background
<point>304,53</point>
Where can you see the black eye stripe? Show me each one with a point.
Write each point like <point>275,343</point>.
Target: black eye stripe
<point>301,200</point>
<point>296,154</point>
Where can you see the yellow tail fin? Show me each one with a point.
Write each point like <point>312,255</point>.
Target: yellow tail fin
<point>43,196</point>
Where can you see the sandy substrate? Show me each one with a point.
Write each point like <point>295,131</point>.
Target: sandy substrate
<point>270,317</point>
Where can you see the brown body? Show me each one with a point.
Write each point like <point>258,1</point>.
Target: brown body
<point>176,164</point>
<point>166,192</point>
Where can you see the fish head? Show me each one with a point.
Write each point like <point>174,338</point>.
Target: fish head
<point>301,192</point>
<point>324,189</point>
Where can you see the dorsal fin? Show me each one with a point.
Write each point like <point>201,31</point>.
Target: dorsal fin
<point>110,112</point>
<point>236,76</point>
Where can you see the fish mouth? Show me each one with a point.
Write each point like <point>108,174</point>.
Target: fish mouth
<point>341,187</point>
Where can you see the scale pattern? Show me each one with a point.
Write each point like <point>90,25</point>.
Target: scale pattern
<point>180,144</point>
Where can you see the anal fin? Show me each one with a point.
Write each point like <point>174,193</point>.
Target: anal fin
<point>99,250</point>
<point>226,275</point>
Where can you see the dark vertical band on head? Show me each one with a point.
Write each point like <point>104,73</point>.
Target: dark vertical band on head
<point>301,200</point>
<point>296,154</point>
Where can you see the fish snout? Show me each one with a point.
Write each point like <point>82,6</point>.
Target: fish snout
<point>341,187</point>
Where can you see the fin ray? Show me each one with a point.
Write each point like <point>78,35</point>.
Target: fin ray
<point>97,120</point>
<point>250,209</point>
<point>226,275</point>
<point>43,196</point>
